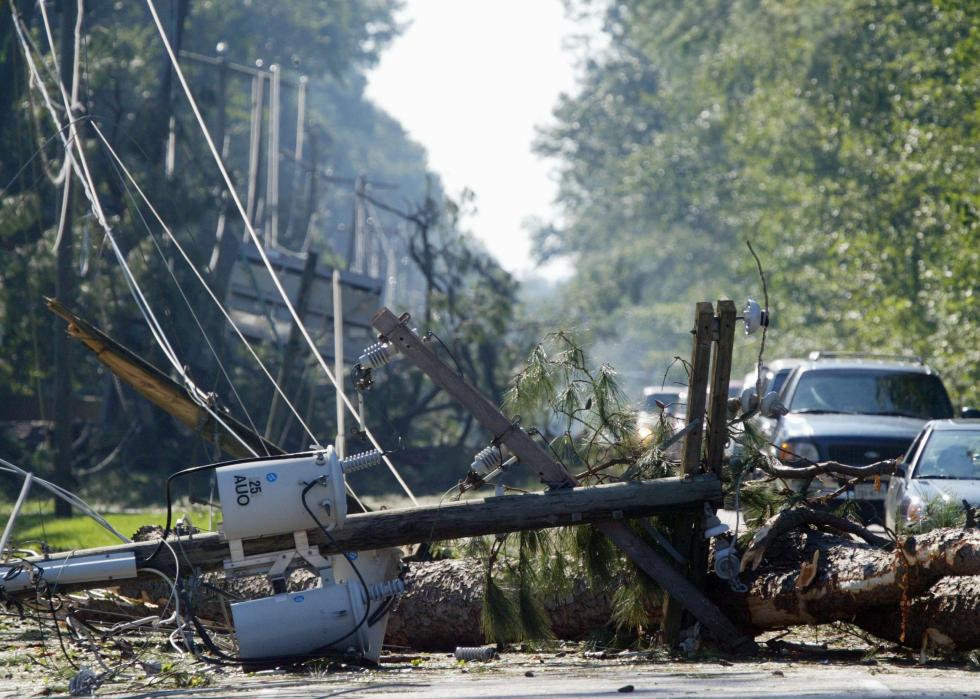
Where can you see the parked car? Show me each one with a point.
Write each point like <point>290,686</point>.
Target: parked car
<point>660,400</point>
<point>942,466</point>
<point>857,409</point>
<point>774,375</point>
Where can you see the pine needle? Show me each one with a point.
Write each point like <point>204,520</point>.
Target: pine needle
<point>500,617</point>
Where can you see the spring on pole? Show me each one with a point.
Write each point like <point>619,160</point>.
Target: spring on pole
<point>486,460</point>
<point>359,462</point>
<point>376,356</point>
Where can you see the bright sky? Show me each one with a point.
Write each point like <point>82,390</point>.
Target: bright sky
<point>470,80</point>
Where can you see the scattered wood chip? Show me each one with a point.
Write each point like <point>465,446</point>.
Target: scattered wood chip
<point>808,572</point>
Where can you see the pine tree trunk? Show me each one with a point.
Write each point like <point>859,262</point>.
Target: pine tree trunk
<point>926,591</point>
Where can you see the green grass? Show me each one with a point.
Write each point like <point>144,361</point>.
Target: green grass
<point>80,531</point>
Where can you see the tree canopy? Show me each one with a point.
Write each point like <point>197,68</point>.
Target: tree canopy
<point>839,137</point>
<point>357,163</point>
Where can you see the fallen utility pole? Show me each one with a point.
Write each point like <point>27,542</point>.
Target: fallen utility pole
<point>161,390</point>
<point>395,330</point>
<point>493,515</point>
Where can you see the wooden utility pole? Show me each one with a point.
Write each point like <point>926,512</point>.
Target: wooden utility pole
<point>687,529</point>
<point>505,431</point>
<point>711,352</point>
<point>64,287</point>
<point>354,256</point>
<point>721,372</point>
<point>285,380</point>
<point>445,521</point>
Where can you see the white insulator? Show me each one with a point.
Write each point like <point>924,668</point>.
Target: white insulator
<point>359,462</point>
<point>376,356</point>
<point>727,563</point>
<point>383,590</point>
<point>486,460</point>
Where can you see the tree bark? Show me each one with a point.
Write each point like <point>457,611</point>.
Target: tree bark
<point>926,585</point>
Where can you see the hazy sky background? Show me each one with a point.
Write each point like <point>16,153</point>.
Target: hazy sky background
<point>470,80</point>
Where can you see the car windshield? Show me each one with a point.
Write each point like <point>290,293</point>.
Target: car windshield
<point>778,379</point>
<point>950,454</point>
<point>871,392</point>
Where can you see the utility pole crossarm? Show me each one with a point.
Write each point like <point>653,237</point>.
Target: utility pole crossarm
<point>531,454</point>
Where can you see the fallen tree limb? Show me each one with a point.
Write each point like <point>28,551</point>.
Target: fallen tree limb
<point>808,473</point>
<point>946,616</point>
<point>855,582</point>
<point>795,518</point>
<point>937,600</point>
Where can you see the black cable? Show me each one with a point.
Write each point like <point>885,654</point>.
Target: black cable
<point>318,652</point>
<point>452,356</point>
<point>205,467</point>
<point>333,542</point>
<point>57,629</point>
<point>381,611</point>
<point>167,528</point>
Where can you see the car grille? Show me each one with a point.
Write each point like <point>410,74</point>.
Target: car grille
<point>866,451</point>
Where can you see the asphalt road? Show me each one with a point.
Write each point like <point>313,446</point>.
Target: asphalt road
<point>563,678</point>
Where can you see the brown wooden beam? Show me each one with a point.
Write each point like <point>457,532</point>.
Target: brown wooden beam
<point>687,529</point>
<point>453,520</point>
<point>721,372</point>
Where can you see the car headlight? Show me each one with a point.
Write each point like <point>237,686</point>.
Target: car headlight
<point>798,452</point>
<point>912,508</point>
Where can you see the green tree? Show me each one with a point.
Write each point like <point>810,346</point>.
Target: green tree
<point>838,137</point>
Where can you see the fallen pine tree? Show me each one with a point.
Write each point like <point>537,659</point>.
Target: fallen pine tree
<point>801,570</point>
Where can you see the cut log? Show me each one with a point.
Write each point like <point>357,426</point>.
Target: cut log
<point>868,585</point>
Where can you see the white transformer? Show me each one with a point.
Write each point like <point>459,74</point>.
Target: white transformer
<point>264,497</point>
<point>337,614</point>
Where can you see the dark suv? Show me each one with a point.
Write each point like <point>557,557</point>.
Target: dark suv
<point>857,409</point>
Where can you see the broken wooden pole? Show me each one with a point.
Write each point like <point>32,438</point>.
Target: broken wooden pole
<point>165,393</point>
<point>530,453</point>
<point>721,373</point>
<point>454,520</point>
<point>687,529</point>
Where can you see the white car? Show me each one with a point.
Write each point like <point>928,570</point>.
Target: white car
<point>941,466</point>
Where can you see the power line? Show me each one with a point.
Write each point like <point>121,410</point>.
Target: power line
<point>81,169</point>
<point>258,243</point>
